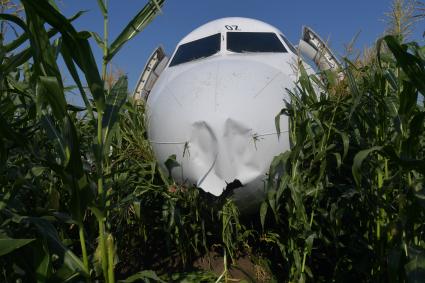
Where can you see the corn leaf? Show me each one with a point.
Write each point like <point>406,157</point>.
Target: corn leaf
<point>23,37</point>
<point>49,92</point>
<point>98,39</point>
<point>77,42</point>
<point>14,19</point>
<point>54,134</point>
<point>358,160</point>
<point>7,132</point>
<point>115,101</point>
<point>277,122</point>
<point>408,100</point>
<point>263,213</point>
<point>16,61</point>
<point>41,48</point>
<point>145,275</point>
<point>81,195</point>
<point>136,25</point>
<point>8,245</point>
<point>415,268</point>
<point>41,260</point>
<point>67,57</point>
<point>102,7</point>
<point>48,231</point>
<point>411,64</point>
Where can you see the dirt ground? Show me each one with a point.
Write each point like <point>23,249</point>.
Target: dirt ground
<point>243,270</point>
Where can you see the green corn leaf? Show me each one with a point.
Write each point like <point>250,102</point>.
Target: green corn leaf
<point>278,164</point>
<point>394,258</point>
<point>391,78</point>
<point>50,14</point>
<point>98,39</point>
<point>404,160</point>
<point>23,37</point>
<point>408,100</point>
<point>14,19</point>
<point>7,132</point>
<point>284,180</point>
<point>15,61</point>
<point>411,64</point>
<point>98,213</point>
<point>48,231</point>
<point>309,241</point>
<point>115,101</point>
<point>81,195</point>
<point>41,258</point>
<point>38,170</point>
<point>53,4</point>
<point>277,121</point>
<point>136,25</point>
<point>137,209</point>
<point>56,136</point>
<point>345,142</point>
<point>415,268</point>
<point>417,124</point>
<point>171,163</point>
<point>49,91</point>
<point>272,203</point>
<point>102,7</point>
<point>8,245</point>
<point>263,213</point>
<point>145,276</point>
<point>42,50</point>
<point>390,105</point>
<point>306,84</point>
<point>75,108</point>
<point>113,133</point>
<point>355,92</point>
<point>412,145</point>
<point>66,55</point>
<point>57,43</point>
<point>358,160</point>
<point>337,159</point>
<point>77,42</point>
<point>331,77</point>
<point>83,56</point>
<point>76,16</point>
<point>3,160</point>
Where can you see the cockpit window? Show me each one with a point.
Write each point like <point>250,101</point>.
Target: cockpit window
<point>289,44</point>
<point>254,42</point>
<point>197,49</point>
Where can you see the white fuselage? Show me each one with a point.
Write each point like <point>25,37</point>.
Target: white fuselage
<point>217,113</point>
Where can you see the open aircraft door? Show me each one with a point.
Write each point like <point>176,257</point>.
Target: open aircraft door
<point>153,68</point>
<point>316,49</point>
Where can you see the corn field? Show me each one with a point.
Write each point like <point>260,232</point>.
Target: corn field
<point>82,198</point>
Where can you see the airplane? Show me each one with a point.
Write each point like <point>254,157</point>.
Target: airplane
<point>213,103</point>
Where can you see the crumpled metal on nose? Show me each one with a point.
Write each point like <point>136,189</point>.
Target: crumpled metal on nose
<point>218,117</point>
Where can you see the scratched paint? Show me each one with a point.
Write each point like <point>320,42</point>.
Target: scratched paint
<point>217,112</point>
<point>218,117</point>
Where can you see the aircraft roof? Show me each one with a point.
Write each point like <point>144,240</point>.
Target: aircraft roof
<point>228,24</point>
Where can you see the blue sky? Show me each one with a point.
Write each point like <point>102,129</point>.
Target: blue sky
<point>335,20</point>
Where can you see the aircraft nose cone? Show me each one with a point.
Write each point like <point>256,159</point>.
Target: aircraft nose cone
<point>219,119</point>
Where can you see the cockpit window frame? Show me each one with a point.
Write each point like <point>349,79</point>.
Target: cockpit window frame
<point>278,48</point>
<point>289,44</point>
<point>192,53</point>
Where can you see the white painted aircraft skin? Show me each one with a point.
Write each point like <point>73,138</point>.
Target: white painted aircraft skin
<point>217,114</point>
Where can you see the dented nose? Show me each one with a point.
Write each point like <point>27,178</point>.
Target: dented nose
<point>218,118</point>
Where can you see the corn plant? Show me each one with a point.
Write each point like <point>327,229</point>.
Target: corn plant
<point>346,200</point>
<point>83,199</point>
<point>41,147</point>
